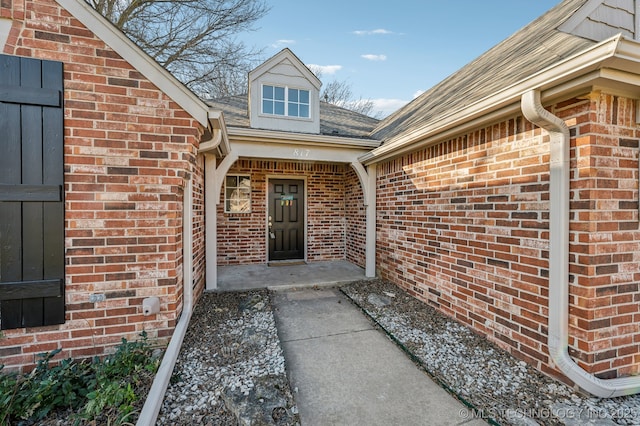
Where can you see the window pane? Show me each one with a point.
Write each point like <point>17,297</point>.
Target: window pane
<point>279,93</point>
<point>304,111</point>
<point>293,110</point>
<point>304,96</point>
<point>267,107</point>
<point>237,194</point>
<point>293,95</point>
<point>267,92</point>
<point>279,108</point>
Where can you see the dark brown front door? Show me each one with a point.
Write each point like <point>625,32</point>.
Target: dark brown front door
<point>286,219</point>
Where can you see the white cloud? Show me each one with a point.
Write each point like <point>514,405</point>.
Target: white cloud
<point>372,57</point>
<point>384,107</point>
<point>372,32</point>
<point>281,43</point>
<point>325,69</point>
<point>417,93</point>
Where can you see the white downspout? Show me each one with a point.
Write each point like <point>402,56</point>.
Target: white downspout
<point>558,340</point>
<point>153,403</point>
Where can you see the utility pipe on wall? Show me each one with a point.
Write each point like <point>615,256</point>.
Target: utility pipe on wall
<point>558,340</point>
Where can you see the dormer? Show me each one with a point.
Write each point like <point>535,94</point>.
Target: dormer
<point>284,95</point>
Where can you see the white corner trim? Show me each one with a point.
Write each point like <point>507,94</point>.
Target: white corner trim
<point>135,56</point>
<point>5,28</point>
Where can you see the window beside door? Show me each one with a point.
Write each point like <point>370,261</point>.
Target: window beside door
<point>237,194</point>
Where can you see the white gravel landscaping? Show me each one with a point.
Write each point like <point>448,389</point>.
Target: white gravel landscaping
<point>501,389</point>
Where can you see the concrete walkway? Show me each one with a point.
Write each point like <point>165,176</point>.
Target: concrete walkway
<point>343,371</point>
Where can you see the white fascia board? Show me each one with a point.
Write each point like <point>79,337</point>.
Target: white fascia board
<point>135,56</point>
<point>615,52</point>
<point>259,135</point>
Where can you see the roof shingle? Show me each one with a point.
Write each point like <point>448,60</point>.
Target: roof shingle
<point>533,48</point>
<point>334,120</point>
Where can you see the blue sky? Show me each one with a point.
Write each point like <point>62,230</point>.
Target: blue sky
<point>390,51</point>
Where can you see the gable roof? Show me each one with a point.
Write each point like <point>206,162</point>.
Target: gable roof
<point>535,47</point>
<point>334,120</point>
<point>285,56</point>
<point>140,60</point>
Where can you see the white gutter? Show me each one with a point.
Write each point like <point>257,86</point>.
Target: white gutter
<point>505,101</point>
<point>558,340</point>
<point>220,140</point>
<point>155,397</point>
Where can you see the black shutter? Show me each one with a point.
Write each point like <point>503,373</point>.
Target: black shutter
<point>31,193</point>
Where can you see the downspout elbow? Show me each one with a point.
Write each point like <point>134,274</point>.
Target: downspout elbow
<point>558,339</point>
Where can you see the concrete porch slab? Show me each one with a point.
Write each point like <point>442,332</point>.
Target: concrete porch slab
<point>328,273</point>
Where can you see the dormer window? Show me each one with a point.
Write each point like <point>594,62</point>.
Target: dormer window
<point>285,101</point>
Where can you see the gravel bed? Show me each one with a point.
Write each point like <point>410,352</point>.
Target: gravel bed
<point>230,369</point>
<point>500,388</point>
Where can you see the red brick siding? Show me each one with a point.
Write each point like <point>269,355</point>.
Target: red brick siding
<point>356,219</point>
<point>605,243</point>
<point>463,225</point>
<point>128,149</point>
<point>199,263</point>
<point>241,237</point>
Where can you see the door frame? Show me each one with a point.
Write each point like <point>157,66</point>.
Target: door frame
<point>266,213</point>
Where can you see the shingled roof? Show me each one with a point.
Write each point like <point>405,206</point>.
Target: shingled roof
<point>334,120</point>
<point>533,48</point>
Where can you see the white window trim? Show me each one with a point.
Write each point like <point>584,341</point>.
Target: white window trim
<point>286,102</point>
<point>238,176</point>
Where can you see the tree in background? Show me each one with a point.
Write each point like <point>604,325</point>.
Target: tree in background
<point>339,93</point>
<point>193,39</point>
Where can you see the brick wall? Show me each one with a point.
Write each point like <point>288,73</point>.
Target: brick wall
<point>241,236</point>
<point>356,219</point>
<point>605,242</point>
<point>199,263</point>
<point>463,225</point>
<point>128,149</point>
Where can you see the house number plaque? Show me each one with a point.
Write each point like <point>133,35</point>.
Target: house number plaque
<point>301,152</point>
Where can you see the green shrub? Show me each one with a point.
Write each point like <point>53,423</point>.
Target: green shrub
<point>101,388</point>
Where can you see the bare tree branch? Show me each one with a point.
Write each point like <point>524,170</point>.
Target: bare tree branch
<point>339,93</point>
<point>194,39</point>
